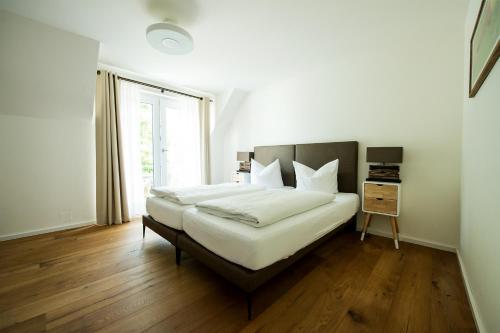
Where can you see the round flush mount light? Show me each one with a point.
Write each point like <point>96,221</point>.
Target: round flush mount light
<point>169,38</point>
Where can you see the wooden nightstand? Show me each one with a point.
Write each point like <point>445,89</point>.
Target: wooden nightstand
<point>384,199</point>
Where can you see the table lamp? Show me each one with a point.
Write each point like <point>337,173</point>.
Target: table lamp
<point>383,155</point>
<point>245,158</point>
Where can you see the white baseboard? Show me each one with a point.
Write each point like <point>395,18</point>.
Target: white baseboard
<point>413,240</point>
<point>470,296</point>
<point>46,230</point>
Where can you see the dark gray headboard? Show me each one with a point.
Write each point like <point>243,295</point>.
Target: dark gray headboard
<point>285,153</point>
<point>315,155</point>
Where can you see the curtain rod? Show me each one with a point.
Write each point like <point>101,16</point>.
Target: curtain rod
<point>157,87</point>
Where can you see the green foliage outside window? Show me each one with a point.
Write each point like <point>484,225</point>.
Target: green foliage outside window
<point>146,139</point>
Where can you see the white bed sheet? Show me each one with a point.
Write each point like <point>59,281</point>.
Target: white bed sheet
<point>256,248</point>
<point>166,212</point>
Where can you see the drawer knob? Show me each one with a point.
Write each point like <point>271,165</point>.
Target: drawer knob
<point>380,198</point>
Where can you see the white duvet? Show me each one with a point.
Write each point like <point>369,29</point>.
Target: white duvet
<point>262,208</point>
<point>195,194</point>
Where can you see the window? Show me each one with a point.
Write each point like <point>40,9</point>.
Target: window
<point>170,140</point>
<point>161,142</point>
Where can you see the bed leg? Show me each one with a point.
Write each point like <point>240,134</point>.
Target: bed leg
<point>249,306</point>
<point>143,231</point>
<point>177,256</point>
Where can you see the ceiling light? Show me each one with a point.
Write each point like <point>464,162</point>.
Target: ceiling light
<point>169,38</point>
<point>170,43</point>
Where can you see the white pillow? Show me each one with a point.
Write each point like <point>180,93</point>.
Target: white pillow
<point>268,176</point>
<point>322,180</point>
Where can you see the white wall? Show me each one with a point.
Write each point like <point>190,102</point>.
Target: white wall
<point>227,105</point>
<point>480,227</point>
<point>396,80</point>
<point>47,168</point>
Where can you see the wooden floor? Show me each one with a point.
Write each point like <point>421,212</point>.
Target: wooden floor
<point>108,279</point>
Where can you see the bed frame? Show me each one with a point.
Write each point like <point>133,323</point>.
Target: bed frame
<point>313,155</point>
<point>170,234</point>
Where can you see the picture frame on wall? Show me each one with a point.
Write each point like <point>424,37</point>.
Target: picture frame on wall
<point>484,44</point>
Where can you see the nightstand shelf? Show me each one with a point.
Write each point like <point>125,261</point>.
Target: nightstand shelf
<point>382,198</point>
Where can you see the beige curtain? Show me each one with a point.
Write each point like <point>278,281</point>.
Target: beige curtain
<point>205,139</point>
<point>111,205</point>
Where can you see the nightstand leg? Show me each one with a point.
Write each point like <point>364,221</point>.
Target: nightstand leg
<point>368,218</point>
<point>397,225</point>
<point>394,232</point>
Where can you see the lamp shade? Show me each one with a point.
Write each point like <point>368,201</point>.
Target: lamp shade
<point>244,156</point>
<point>384,154</point>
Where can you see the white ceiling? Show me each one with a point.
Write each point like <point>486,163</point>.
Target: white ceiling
<point>242,44</point>
<point>237,43</point>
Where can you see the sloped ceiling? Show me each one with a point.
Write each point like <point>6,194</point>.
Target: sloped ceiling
<point>47,74</point>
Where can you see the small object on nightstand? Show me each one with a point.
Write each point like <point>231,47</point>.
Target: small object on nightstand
<point>245,158</point>
<point>382,198</point>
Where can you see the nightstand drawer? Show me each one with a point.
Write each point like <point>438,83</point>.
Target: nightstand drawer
<point>381,205</point>
<point>240,177</point>
<point>382,191</point>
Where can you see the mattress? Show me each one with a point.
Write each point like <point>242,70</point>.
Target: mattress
<point>256,248</point>
<point>166,212</point>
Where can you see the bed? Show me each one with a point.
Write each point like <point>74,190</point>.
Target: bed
<point>204,233</point>
<point>165,217</point>
<point>256,248</point>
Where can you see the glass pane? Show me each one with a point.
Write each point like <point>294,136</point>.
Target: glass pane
<point>146,145</point>
<point>182,135</point>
